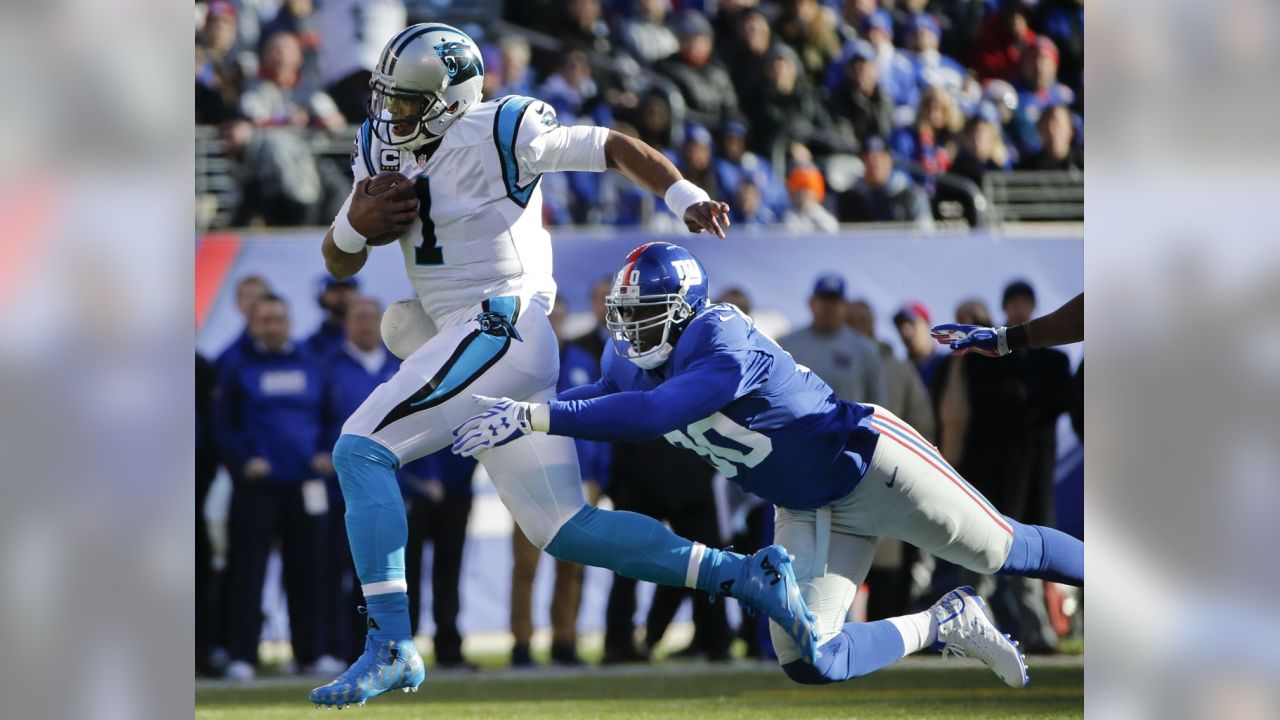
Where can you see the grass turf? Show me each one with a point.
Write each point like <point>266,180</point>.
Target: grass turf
<point>938,689</point>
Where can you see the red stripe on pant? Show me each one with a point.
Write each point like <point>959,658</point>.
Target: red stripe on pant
<point>999,520</point>
<point>905,428</point>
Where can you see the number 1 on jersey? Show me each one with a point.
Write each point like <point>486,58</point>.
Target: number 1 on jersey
<point>429,252</point>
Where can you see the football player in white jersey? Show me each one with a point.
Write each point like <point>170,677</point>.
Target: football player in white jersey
<point>466,210</point>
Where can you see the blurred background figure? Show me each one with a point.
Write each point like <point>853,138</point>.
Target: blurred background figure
<point>249,290</point>
<point>206,579</point>
<point>282,96</point>
<point>577,367</point>
<point>221,65</point>
<point>883,194</point>
<point>702,80</point>
<point>270,429</point>
<point>298,18</point>
<point>599,338</point>
<point>807,214</point>
<point>810,28</point>
<point>645,33</point>
<point>674,485</point>
<point>982,147</point>
<point>352,33</point>
<point>514,76</point>
<point>1058,150</point>
<point>905,393</point>
<point>912,322</point>
<point>860,105</point>
<point>847,361</point>
<point>334,297</point>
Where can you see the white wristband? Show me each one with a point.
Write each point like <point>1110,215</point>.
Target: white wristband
<point>682,194</point>
<point>539,417</point>
<point>345,236</point>
<point>1002,340</point>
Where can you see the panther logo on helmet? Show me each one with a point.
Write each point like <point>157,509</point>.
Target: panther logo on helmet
<point>459,61</point>
<point>428,76</point>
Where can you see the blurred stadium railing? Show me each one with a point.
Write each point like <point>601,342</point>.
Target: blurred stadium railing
<point>1016,196</point>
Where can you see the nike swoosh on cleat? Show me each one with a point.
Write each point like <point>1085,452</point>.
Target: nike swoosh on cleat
<point>892,479</point>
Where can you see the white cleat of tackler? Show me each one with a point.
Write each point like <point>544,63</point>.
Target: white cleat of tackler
<point>965,630</point>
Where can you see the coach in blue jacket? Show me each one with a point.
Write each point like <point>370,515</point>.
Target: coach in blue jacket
<point>270,429</point>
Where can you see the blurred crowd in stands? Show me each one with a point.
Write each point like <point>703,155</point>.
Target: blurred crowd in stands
<point>271,405</point>
<point>799,112</point>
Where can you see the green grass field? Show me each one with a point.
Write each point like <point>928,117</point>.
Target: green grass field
<point>928,687</point>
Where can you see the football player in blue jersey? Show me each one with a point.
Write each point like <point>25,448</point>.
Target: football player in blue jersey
<point>840,474</point>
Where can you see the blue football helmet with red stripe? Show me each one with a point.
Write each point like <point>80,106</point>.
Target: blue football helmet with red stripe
<point>656,293</point>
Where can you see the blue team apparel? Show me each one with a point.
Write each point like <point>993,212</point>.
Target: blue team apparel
<point>270,406</point>
<point>732,395</point>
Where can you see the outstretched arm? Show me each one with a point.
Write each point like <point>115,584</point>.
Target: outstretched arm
<point>542,145</point>
<point>622,416</point>
<point>639,415</point>
<point>651,170</point>
<point>1060,327</point>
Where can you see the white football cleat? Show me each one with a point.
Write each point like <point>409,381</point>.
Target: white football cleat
<point>964,629</point>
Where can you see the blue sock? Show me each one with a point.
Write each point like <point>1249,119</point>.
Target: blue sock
<point>376,529</point>
<point>720,570</point>
<point>637,546</point>
<point>859,649</point>
<point>389,616</point>
<point>1045,553</point>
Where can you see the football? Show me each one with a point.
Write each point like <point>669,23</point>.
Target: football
<point>392,182</point>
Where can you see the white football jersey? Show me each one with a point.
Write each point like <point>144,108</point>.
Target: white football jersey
<point>479,229</point>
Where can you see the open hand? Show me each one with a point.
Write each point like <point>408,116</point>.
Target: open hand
<point>709,215</point>
<point>964,339</point>
<point>502,421</point>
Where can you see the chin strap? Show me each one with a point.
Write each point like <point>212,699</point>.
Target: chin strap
<point>650,359</point>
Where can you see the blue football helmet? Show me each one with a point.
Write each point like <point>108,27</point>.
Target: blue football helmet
<point>659,286</point>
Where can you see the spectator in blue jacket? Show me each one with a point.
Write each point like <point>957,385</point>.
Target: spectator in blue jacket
<point>735,162</point>
<point>897,73</point>
<point>507,68</point>
<point>577,367</point>
<point>332,297</point>
<point>933,69</point>
<point>249,289</point>
<point>270,426</point>
<point>1038,90</point>
<point>747,207</point>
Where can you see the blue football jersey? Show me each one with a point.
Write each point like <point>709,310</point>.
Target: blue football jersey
<point>732,395</point>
